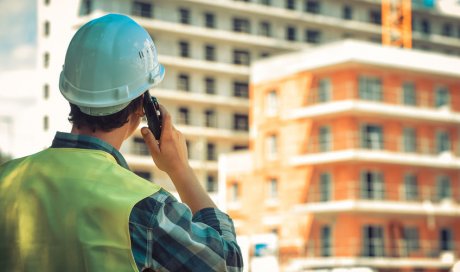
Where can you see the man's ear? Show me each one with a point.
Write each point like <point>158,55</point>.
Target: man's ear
<point>140,108</point>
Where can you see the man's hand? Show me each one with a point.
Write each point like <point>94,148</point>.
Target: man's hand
<point>170,153</point>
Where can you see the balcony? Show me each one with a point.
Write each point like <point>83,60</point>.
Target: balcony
<point>402,201</point>
<point>386,102</point>
<point>208,66</point>
<point>377,253</point>
<point>351,146</point>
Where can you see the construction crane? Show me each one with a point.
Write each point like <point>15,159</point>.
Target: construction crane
<point>397,23</point>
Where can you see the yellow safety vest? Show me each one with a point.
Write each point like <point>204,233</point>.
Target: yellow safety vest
<point>66,209</point>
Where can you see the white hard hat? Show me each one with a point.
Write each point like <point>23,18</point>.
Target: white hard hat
<point>110,61</point>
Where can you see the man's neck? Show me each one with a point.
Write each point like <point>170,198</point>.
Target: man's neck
<point>114,137</point>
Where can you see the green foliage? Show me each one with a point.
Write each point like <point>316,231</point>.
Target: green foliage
<point>4,157</point>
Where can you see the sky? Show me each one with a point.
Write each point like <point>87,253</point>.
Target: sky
<point>17,34</point>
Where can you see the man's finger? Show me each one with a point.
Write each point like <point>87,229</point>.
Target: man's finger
<point>150,141</point>
<point>167,122</point>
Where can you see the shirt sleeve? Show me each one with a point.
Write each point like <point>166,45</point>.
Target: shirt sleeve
<point>165,236</point>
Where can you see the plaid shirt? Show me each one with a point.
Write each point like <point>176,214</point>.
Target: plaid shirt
<point>165,236</point>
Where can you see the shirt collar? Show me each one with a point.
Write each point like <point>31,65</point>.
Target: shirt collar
<point>69,140</point>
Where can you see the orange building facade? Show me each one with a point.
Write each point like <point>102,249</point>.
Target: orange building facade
<point>355,153</point>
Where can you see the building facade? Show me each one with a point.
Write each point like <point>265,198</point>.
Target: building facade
<point>356,158</point>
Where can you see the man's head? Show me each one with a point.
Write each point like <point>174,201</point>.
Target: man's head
<point>110,62</point>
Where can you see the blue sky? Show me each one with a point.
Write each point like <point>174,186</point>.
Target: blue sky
<point>17,34</point>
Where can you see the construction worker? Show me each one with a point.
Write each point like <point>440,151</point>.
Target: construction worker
<point>76,206</point>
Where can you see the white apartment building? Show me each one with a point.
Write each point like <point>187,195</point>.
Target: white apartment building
<point>207,47</point>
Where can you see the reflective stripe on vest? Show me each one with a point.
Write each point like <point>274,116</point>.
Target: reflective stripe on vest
<point>66,209</point>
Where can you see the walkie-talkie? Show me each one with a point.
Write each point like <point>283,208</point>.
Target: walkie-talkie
<point>153,114</point>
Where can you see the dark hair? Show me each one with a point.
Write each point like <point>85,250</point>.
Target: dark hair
<point>105,123</point>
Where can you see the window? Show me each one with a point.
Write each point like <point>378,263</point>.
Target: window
<point>210,53</point>
<point>240,122</point>
<point>184,49</point>
<point>312,36</point>
<point>47,2</point>
<point>142,9</point>
<point>325,187</point>
<point>271,147</point>
<point>409,142</point>
<point>370,88</point>
<point>265,29</point>
<point>210,118</point>
<point>347,12</point>
<point>211,184</point>
<point>312,6</point>
<point>144,175</point>
<point>445,239</point>
<point>271,103</point>
<point>410,187</point>
<point>326,241</point>
<point>241,57</point>
<point>210,85</point>
<point>324,90</point>
<point>234,193</point>
<point>266,2</point>
<point>183,83</point>
<point>184,16</point>
<point>240,147</point>
<point>372,186</point>
<point>46,29</point>
<point>209,20</point>
<point>442,142</point>
<point>372,241</point>
<point>425,25</point>
<point>325,139</point>
<point>372,137</point>
<point>241,25</point>
<point>447,29</point>
<point>46,60</point>
<point>273,188</point>
<point>443,188</point>
<point>46,123</point>
<point>441,97</point>
<point>411,239</point>
<point>290,4</point>
<point>264,55</point>
<point>409,94</point>
<point>139,147</point>
<point>183,116</point>
<point>211,152</point>
<point>240,89</point>
<point>375,17</point>
<point>86,7</point>
<point>46,91</point>
<point>189,149</point>
<point>291,33</point>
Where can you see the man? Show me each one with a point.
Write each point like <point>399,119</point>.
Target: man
<point>77,207</point>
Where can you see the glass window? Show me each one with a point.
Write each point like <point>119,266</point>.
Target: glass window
<point>373,241</point>
<point>442,97</point>
<point>209,20</point>
<point>139,147</point>
<point>312,6</point>
<point>442,142</point>
<point>375,17</point>
<point>409,97</point>
<point>273,188</point>
<point>184,49</point>
<point>446,239</point>
<point>210,53</point>
<point>325,187</point>
<point>183,117</point>
<point>46,124</point>
<point>266,2</point>
<point>325,139</point>
<point>425,25</point>
<point>326,241</point>
<point>271,147</point>
<point>188,144</point>
<point>291,33</point>
<point>447,29</point>
<point>142,9</point>
<point>241,57</point>
<point>241,25</point>
<point>240,89</point>
<point>234,192</point>
<point>211,184</point>
<point>372,137</point>
<point>411,239</point>
<point>324,90</point>
<point>372,185</point>
<point>443,188</point>
<point>271,100</point>
<point>312,36</point>
<point>290,4</point>
<point>86,7</point>
<point>210,118</point>
<point>210,85</point>
<point>184,16</point>
<point>410,187</point>
<point>46,28</point>
<point>144,174</point>
<point>240,122</point>
<point>46,91</point>
<point>347,12</point>
<point>46,60</point>
<point>370,88</point>
<point>240,147</point>
<point>183,82</point>
<point>409,140</point>
<point>265,29</point>
<point>211,152</point>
